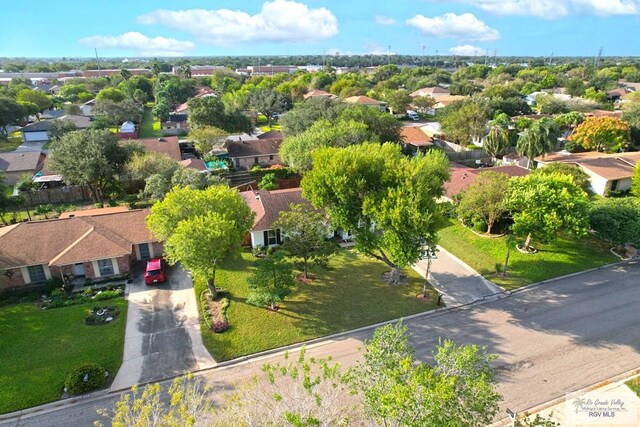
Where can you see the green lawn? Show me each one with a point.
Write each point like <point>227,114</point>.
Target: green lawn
<point>264,127</point>
<point>150,126</point>
<point>634,385</point>
<point>40,347</point>
<point>486,255</point>
<point>350,295</point>
<point>12,142</point>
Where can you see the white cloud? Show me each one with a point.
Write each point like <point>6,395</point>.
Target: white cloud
<point>553,9</point>
<point>278,21</point>
<point>465,27</point>
<point>143,45</point>
<point>467,50</point>
<point>384,20</point>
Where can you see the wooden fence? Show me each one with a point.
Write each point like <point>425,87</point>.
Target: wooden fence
<point>57,195</point>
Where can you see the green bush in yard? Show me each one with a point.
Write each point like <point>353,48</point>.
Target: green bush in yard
<point>94,374</point>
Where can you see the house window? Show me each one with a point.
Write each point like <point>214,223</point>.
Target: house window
<point>271,157</point>
<point>255,160</point>
<point>36,273</point>
<point>106,267</point>
<point>614,185</point>
<point>272,237</point>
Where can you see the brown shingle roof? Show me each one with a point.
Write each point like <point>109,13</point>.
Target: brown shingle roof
<point>197,164</point>
<point>18,161</point>
<point>414,136</point>
<point>319,93</point>
<point>93,212</point>
<point>166,144</point>
<point>267,205</point>
<point>272,134</point>
<point>258,147</point>
<point>71,240</point>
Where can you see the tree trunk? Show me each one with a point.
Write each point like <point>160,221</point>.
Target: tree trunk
<point>527,242</point>
<point>394,275</point>
<point>426,278</point>
<point>306,268</point>
<point>506,261</point>
<point>212,287</point>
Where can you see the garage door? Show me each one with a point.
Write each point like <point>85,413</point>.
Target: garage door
<point>36,136</point>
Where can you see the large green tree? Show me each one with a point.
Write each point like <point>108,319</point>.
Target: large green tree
<point>88,157</point>
<point>210,111</point>
<point>398,390</point>
<point>11,113</point>
<point>385,198</point>
<point>463,122</point>
<point>201,227</point>
<point>116,113</point>
<point>305,232</point>
<point>616,220</point>
<point>496,142</point>
<point>296,151</point>
<point>269,102</point>
<point>39,98</point>
<point>547,205</point>
<point>208,138</point>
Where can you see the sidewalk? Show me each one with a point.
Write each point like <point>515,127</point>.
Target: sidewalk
<point>456,281</point>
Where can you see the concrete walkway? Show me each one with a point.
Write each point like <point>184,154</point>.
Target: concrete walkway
<point>458,283</point>
<point>163,333</point>
<point>31,146</point>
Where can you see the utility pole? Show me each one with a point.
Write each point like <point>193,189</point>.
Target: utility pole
<point>596,62</point>
<point>424,48</point>
<point>435,60</point>
<point>551,59</point>
<point>97,62</point>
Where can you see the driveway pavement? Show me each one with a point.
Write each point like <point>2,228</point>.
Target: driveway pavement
<point>163,333</point>
<point>31,146</point>
<point>458,283</point>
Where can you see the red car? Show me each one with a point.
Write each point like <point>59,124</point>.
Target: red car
<point>155,272</point>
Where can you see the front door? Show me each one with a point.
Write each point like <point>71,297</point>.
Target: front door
<point>78,270</point>
<point>144,251</point>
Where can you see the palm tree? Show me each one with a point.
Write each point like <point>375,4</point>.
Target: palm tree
<point>539,139</point>
<point>185,70</point>
<point>125,74</point>
<point>496,141</point>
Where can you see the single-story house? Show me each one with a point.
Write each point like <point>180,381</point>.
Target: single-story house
<point>607,172</point>
<point>201,92</point>
<point>366,101</point>
<point>444,100</point>
<point>18,163</point>
<point>175,123</point>
<point>246,154</point>
<point>434,92</point>
<point>37,131</point>
<point>128,130</point>
<point>267,206</point>
<point>616,94</point>
<point>462,177</point>
<point>98,246</point>
<point>167,144</point>
<point>415,140</point>
<point>317,93</point>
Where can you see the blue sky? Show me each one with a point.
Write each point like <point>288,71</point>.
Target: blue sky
<point>284,27</point>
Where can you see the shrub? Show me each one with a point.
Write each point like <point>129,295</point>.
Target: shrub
<point>94,374</point>
<point>105,295</point>
<point>220,326</point>
<point>258,251</point>
<point>224,306</point>
<point>87,292</point>
<point>93,319</point>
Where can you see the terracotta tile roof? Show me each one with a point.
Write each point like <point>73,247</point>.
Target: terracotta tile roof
<point>429,91</point>
<point>78,239</point>
<point>258,147</point>
<point>462,177</point>
<point>414,136</point>
<point>18,161</point>
<point>364,100</point>
<point>166,144</point>
<point>197,164</point>
<point>267,205</point>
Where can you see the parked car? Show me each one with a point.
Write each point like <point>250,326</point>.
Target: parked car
<point>413,115</point>
<point>155,271</point>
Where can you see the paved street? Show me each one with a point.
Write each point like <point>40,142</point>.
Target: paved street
<point>456,281</point>
<point>163,334</point>
<point>550,340</point>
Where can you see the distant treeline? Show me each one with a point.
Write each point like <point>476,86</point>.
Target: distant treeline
<point>361,61</point>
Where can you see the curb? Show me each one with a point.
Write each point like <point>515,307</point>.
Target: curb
<point>546,405</point>
<point>567,276</point>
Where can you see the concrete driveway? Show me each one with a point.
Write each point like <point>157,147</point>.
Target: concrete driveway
<point>163,333</point>
<point>458,283</point>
